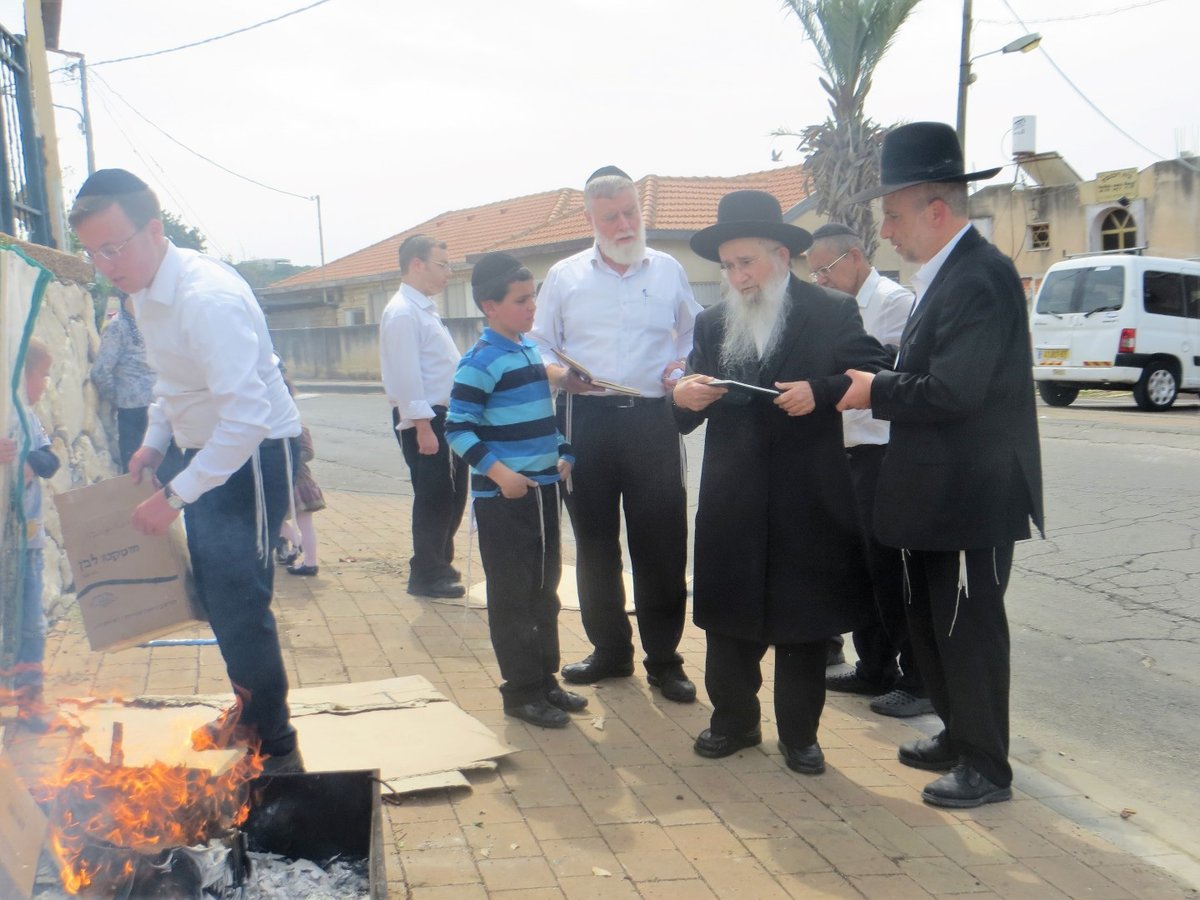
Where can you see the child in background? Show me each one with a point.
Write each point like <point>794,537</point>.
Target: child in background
<point>309,499</point>
<point>501,421</point>
<point>40,462</point>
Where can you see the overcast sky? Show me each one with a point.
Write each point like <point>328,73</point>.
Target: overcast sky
<point>395,111</point>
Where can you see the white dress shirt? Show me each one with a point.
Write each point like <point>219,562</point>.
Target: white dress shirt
<point>924,276</point>
<point>884,306</point>
<point>417,356</point>
<point>623,327</point>
<point>219,388</point>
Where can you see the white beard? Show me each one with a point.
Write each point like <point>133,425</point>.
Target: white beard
<point>753,323</point>
<point>625,254</point>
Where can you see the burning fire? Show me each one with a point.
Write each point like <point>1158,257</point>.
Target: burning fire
<point>100,810</point>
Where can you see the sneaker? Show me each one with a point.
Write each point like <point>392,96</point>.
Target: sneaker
<point>901,704</point>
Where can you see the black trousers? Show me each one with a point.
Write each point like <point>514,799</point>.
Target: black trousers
<point>733,676</point>
<point>522,559</point>
<point>629,457</point>
<point>441,485</point>
<point>235,584</point>
<point>886,640</point>
<point>131,429</point>
<point>960,640</point>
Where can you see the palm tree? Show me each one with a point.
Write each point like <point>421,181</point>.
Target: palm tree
<point>842,153</point>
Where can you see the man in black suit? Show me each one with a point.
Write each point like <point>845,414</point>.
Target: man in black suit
<point>779,556</point>
<point>962,476</point>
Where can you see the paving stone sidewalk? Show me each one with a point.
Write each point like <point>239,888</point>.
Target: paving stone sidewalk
<point>617,805</point>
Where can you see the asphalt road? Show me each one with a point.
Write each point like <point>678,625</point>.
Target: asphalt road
<point>1104,613</point>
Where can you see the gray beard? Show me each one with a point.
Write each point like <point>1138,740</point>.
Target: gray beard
<point>624,254</point>
<point>753,324</point>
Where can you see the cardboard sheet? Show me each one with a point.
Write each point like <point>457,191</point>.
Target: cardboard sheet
<point>22,831</point>
<point>404,727</point>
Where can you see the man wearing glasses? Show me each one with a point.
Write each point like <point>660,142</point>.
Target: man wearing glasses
<point>838,260</point>
<point>417,358</point>
<point>221,397</point>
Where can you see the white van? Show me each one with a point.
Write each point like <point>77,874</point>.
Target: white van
<point>1118,323</point>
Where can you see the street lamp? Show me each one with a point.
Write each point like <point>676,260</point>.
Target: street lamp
<point>966,78</point>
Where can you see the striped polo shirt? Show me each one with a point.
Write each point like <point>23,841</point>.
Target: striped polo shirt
<point>500,410</point>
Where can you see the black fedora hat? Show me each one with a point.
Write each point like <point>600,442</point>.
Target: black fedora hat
<point>749,214</point>
<point>919,153</point>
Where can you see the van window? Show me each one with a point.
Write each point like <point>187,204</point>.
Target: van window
<point>1082,290</point>
<point>1162,293</point>
<point>1191,289</point>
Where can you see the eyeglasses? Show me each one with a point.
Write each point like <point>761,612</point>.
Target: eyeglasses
<point>817,274</point>
<point>441,264</point>
<point>109,252</point>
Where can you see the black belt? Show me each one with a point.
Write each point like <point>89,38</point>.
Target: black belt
<point>617,401</point>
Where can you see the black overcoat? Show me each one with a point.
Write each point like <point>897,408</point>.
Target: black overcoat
<point>963,466</point>
<point>779,552</point>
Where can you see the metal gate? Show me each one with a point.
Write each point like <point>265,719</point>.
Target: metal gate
<point>22,179</point>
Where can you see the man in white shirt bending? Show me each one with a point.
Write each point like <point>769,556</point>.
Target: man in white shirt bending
<point>417,358</point>
<point>625,313</point>
<point>220,395</point>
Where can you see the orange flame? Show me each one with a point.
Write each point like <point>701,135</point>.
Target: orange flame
<point>146,809</point>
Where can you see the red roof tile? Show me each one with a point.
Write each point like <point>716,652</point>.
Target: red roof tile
<point>668,204</point>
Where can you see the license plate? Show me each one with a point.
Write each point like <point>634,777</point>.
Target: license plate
<point>1050,357</point>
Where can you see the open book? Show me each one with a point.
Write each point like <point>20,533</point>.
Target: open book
<point>594,380</point>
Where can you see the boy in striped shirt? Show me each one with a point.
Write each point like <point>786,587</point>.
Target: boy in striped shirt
<point>501,421</point>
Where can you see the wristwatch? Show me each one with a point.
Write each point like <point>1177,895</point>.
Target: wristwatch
<point>173,499</point>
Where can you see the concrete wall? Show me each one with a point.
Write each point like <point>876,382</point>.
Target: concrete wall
<point>348,352</point>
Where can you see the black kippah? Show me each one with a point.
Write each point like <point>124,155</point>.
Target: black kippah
<point>833,229</point>
<point>493,267</point>
<point>603,171</point>
<point>111,183</point>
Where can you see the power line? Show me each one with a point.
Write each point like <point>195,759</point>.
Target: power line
<point>211,162</point>
<point>1076,18</point>
<point>1088,100</point>
<point>218,37</point>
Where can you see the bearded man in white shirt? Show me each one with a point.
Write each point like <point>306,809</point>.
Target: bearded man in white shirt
<point>886,670</point>
<point>221,397</point>
<point>418,358</point>
<point>624,312</point>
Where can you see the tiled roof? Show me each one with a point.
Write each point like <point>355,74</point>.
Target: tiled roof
<point>669,204</point>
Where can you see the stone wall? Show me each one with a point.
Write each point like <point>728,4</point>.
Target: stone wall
<point>82,430</point>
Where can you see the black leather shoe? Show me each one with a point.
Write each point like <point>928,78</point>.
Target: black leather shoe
<point>805,760</point>
<point>442,589</point>
<point>302,570</point>
<point>902,704</point>
<point>932,754</point>
<point>674,686</point>
<point>539,713</point>
<point>593,669</point>
<point>964,788</point>
<point>716,746</point>
<point>853,683</point>
<point>565,700</point>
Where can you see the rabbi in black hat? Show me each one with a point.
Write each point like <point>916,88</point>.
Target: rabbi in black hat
<point>624,312</point>
<point>779,556</point>
<point>962,476</point>
<point>221,398</point>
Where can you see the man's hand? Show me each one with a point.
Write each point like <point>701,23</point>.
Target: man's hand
<point>144,458</point>
<point>8,450</point>
<point>513,485</point>
<point>154,515</point>
<point>859,395</point>
<point>692,392</point>
<point>672,372</point>
<point>427,441</point>
<point>566,379</point>
<point>796,399</point>
<point>564,470</point>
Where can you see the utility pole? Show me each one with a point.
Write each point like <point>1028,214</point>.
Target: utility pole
<point>964,75</point>
<point>81,67</point>
<point>321,239</point>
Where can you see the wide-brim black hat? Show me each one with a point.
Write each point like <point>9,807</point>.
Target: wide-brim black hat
<point>749,214</point>
<point>921,153</point>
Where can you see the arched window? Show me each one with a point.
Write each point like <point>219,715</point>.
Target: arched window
<point>1118,231</point>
